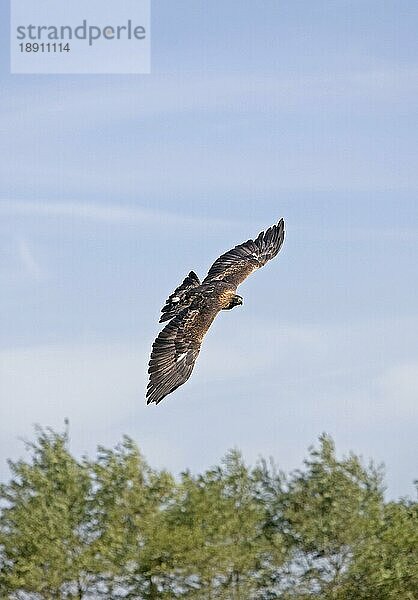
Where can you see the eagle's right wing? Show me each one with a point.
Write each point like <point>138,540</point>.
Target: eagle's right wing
<point>235,265</point>
<point>175,350</point>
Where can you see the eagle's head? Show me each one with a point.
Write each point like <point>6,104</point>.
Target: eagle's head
<point>236,300</point>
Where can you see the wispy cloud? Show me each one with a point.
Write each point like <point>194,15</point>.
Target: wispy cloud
<point>86,382</point>
<point>169,94</point>
<point>18,261</point>
<point>312,142</point>
<point>28,260</point>
<point>96,212</point>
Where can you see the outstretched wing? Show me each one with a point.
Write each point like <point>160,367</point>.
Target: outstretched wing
<point>235,266</point>
<point>175,350</point>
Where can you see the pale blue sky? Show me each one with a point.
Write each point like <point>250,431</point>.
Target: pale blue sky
<point>113,187</point>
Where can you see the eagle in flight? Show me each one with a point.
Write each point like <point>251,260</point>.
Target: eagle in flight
<point>192,307</point>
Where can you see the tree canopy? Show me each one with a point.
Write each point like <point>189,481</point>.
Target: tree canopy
<point>113,527</point>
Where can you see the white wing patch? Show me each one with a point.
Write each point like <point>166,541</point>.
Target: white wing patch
<point>181,356</point>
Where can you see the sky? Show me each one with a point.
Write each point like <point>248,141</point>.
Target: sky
<point>113,187</point>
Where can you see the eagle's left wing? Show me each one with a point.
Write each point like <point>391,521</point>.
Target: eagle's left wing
<point>175,350</point>
<point>235,265</point>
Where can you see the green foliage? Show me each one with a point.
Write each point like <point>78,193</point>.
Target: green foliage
<point>113,527</point>
<point>386,565</point>
<point>216,529</point>
<point>326,511</point>
<point>44,522</point>
<point>125,507</point>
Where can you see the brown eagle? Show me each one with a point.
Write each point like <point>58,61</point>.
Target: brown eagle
<point>192,307</point>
